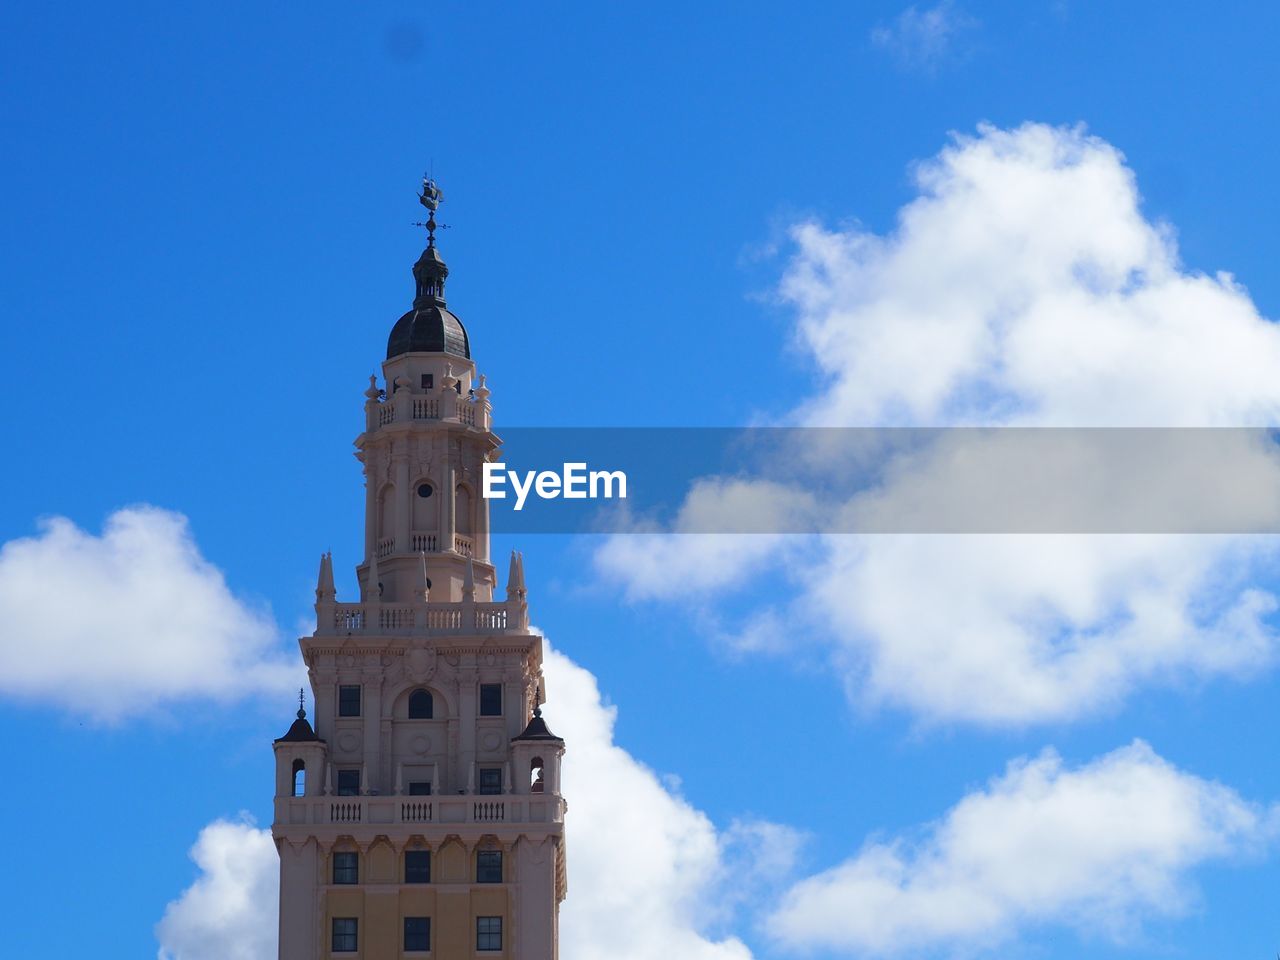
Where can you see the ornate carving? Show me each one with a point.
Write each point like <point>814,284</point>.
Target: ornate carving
<point>421,662</point>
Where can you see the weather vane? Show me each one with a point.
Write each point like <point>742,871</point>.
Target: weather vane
<point>430,198</point>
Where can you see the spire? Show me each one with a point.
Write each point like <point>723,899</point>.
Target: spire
<point>301,731</point>
<point>426,581</point>
<point>515,578</point>
<point>430,271</point>
<point>324,582</point>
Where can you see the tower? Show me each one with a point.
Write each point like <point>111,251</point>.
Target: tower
<point>423,811</point>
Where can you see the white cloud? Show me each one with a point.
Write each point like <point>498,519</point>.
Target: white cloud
<point>231,911</point>
<point>121,623</point>
<point>644,864</point>
<point>646,869</point>
<point>923,38</point>
<point>1103,846</point>
<point>1022,287</point>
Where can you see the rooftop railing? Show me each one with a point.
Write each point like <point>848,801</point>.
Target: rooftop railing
<point>420,619</point>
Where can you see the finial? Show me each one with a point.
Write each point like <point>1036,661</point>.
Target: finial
<point>302,711</point>
<point>537,703</point>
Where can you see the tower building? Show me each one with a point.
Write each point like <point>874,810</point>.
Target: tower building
<point>422,813</point>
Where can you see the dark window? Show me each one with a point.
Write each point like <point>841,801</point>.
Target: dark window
<point>346,867</point>
<point>457,388</point>
<point>490,699</point>
<point>428,380</point>
<point>489,866</point>
<point>299,778</point>
<point>420,705</point>
<point>419,788</point>
<point>348,783</point>
<point>417,933</point>
<point>488,933</point>
<point>490,780</point>
<point>424,490</point>
<point>349,698</point>
<point>417,866</point>
<point>344,935</point>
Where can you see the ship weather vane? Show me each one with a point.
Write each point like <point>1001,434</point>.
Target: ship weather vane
<point>430,198</point>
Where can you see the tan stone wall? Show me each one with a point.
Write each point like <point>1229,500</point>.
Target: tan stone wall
<point>381,909</point>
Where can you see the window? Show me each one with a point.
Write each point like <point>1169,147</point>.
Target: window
<point>417,933</point>
<point>488,933</point>
<point>344,935</point>
<point>346,867</point>
<point>349,700</point>
<point>424,490</point>
<point>417,866</point>
<point>299,778</point>
<point>419,788</point>
<point>536,784</point>
<point>348,783</point>
<point>490,781</point>
<point>489,866</point>
<point>490,699</point>
<point>428,381</point>
<point>420,705</point>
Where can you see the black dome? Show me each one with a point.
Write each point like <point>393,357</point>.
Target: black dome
<point>429,329</point>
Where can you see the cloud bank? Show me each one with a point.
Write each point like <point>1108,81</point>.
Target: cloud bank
<point>231,911</point>
<point>1023,286</point>
<point>1101,847</point>
<point>124,622</point>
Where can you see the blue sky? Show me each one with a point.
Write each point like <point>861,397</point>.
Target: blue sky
<point>208,213</point>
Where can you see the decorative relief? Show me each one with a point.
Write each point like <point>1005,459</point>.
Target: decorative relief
<point>491,740</point>
<point>421,745</point>
<point>348,742</point>
<point>421,663</point>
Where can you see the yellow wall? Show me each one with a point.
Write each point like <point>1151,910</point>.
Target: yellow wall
<point>380,903</point>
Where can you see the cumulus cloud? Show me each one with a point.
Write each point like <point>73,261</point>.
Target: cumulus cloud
<point>1103,846</point>
<point>647,869</point>
<point>922,39</point>
<point>128,620</point>
<point>1023,286</point>
<point>231,911</point>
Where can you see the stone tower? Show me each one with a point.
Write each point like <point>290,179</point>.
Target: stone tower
<point>423,811</point>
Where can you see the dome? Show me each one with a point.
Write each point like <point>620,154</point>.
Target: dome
<point>429,329</point>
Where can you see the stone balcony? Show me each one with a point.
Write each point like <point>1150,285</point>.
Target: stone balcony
<point>442,809</point>
<point>421,619</point>
<point>405,407</point>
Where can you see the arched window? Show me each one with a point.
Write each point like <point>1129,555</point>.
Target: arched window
<point>535,775</point>
<point>420,705</point>
<point>299,778</point>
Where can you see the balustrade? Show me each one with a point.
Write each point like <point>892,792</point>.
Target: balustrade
<point>430,618</point>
